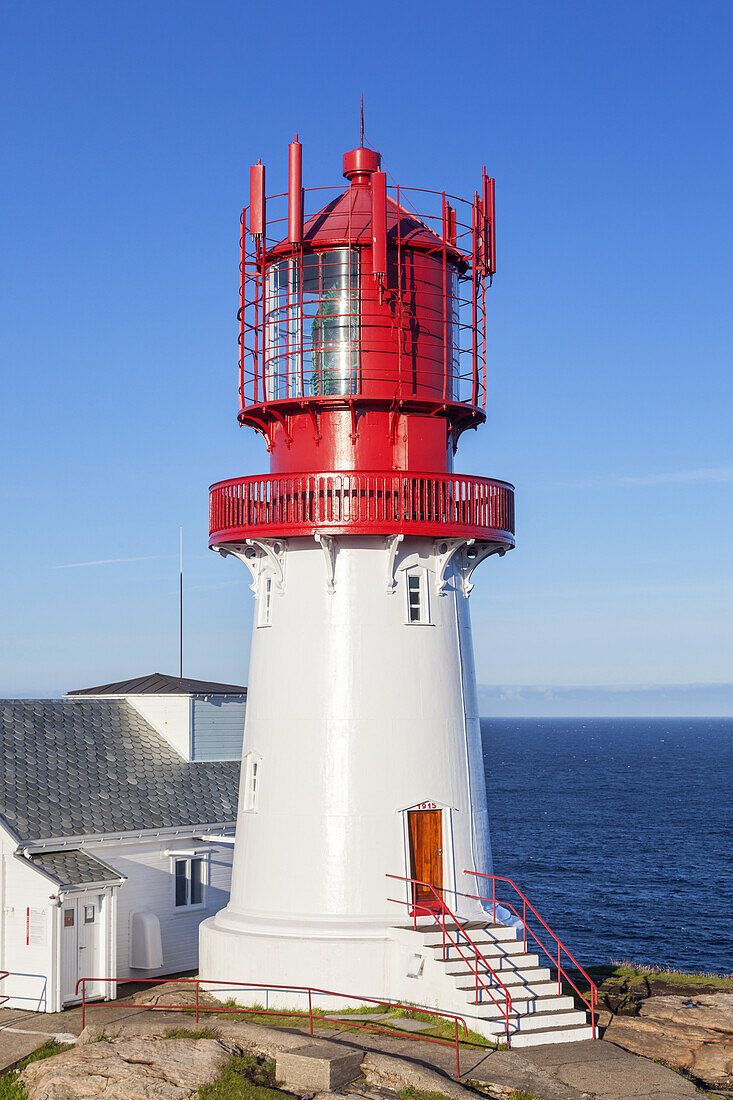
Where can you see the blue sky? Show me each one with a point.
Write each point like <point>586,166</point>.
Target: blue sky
<point>127,134</point>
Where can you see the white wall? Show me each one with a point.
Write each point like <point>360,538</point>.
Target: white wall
<point>170,715</point>
<point>33,967</point>
<point>32,980</point>
<point>150,885</point>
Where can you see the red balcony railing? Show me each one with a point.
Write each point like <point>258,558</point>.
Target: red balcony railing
<point>438,505</point>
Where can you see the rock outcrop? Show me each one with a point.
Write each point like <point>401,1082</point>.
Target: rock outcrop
<point>127,1069</point>
<point>695,1034</point>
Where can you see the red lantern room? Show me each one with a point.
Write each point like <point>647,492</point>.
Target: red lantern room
<point>363,359</point>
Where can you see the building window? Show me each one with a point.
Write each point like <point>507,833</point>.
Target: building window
<point>264,609</point>
<point>251,781</point>
<point>190,882</point>
<point>417,597</point>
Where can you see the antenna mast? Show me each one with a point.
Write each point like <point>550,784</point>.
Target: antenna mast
<point>180,603</point>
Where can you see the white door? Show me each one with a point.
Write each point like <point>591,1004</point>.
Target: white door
<point>82,952</point>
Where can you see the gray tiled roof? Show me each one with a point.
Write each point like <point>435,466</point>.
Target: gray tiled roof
<point>80,767</point>
<point>157,683</point>
<point>74,868</point>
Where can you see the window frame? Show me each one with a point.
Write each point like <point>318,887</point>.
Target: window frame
<point>264,600</point>
<point>189,860</point>
<point>252,781</point>
<point>420,574</point>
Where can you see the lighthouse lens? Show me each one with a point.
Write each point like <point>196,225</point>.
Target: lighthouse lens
<point>312,326</point>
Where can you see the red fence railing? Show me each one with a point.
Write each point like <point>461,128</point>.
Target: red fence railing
<point>310,1015</point>
<point>369,503</point>
<point>558,950</point>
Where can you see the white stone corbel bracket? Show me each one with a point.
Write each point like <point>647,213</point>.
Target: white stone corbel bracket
<point>255,553</point>
<point>468,555</point>
<point>392,543</point>
<point>474,554</point>
<point>329,546</point>
<point>445,551</point>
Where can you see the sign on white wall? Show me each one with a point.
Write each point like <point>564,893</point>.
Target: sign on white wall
<point>35,927</point>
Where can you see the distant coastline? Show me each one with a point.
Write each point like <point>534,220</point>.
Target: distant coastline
<point>606,701</point>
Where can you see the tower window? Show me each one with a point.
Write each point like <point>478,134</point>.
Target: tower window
<point>251,781</point>
<point>264,610</point>
<point>417,597</point>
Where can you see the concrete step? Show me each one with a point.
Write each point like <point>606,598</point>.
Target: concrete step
<point>456,965</point>
<point>560,1034</point>
<point>466,979</point>
<point>499,948</point>
<point>536,1021</point>
<point>489,934</point>
<point>521,1007</point>
<point>522,991</point>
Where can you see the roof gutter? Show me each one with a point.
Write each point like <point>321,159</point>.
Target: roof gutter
<point>60,842</point>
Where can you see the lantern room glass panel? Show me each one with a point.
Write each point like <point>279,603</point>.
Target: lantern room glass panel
<point>312,326</point>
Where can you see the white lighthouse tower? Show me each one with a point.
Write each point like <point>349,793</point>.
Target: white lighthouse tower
<point>362,360</point>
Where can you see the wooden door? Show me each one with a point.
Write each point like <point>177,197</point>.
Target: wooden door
<point>426,855</point>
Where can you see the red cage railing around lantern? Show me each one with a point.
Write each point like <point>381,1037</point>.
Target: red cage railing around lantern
<point>442,505</point>
<point>279,355</point>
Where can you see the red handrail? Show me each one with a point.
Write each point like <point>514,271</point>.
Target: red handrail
<point>439,917</point>
<point>561,973</point>
<point>310,1014</point>
<point>3,997</point>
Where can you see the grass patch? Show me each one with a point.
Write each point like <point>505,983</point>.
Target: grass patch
<point>625,968</point>
<point>183,1033</point>
<point>441,1028</point>
<point>411,1093</point>
<point>11,1088</point>
<point>244,1078</point>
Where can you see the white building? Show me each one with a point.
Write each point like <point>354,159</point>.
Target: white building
<point>115,806</point>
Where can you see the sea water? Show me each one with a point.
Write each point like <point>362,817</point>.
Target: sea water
<point>620,833</point>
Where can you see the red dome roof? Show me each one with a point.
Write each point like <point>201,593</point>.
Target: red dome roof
<point>347,219</point>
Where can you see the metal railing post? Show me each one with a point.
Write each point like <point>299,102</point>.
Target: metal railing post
<point>197,1000</point>
<point>83,1003</point>
<point>458,1054</point>
<point>559,970</point>
<point>310,1011</point>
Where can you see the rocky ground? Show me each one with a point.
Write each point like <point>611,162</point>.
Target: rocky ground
<point>157,1055</point>
<point>685,1021</point>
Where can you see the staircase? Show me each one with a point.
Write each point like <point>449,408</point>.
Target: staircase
<point>484,971</point>
<point>539,1013</point>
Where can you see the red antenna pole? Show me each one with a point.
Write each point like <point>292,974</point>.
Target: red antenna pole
<point>295,192</point>
<point>257,214</point>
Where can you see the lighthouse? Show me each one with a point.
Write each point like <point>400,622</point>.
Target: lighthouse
<point>362,360</point>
